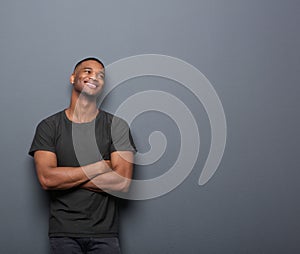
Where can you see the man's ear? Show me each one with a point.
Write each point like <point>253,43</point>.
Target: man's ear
<point>72,78</point>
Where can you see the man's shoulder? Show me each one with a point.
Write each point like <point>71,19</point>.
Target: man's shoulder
<point>111,118</point>
<point>105,113</point>
<point>53,119</point>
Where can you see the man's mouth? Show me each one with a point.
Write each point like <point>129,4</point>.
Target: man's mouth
<point>91,85</point>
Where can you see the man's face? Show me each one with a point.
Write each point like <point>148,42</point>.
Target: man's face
<point>88,78</point>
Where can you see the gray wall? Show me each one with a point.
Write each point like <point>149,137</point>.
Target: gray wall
<point>249,50</point>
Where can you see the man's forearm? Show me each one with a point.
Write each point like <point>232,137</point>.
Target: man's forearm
<point>60,178</point>
<point>89,185</point>
<point>109,181</point>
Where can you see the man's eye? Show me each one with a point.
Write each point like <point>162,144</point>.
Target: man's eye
<point>100,75</point>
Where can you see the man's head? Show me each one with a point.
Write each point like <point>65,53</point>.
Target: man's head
<point>88,59</point>
<point>88,76</point>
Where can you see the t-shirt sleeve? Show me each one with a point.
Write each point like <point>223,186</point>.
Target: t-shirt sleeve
<point>121,136</point>
<point>44,138</point>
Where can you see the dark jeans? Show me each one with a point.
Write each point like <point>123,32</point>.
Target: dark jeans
<point>79,245</point>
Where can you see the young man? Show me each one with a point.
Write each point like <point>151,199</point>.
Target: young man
<point>78,177</point>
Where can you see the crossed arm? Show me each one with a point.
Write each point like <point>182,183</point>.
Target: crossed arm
<point>113,175</point>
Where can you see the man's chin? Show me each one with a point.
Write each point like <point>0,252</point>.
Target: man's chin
<point>89,94</point>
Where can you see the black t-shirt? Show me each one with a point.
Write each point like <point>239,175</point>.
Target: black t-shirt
<point>79,212</point>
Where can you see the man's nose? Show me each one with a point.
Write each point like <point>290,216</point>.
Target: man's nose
<point>93,77</point>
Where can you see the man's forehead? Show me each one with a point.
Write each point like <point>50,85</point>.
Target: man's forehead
<point>91,64</point>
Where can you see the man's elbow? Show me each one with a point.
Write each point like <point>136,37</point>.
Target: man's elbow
<point>46,183</point>
<point>125,185</point>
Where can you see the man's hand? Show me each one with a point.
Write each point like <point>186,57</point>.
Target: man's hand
<point>89,185</point>
<point>118,179</point>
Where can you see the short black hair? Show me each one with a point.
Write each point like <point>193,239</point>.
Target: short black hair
<point>88,59</point>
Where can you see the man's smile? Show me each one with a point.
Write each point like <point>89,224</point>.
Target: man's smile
<point>91,85</point>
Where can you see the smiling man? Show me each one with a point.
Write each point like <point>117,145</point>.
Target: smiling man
<point>78,177</point>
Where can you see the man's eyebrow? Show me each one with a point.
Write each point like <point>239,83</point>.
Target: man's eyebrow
<point>90,68</point>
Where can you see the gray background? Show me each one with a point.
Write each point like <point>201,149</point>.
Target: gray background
<point>249,50</point>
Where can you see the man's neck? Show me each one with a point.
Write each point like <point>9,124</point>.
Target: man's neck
<point>82,109</point>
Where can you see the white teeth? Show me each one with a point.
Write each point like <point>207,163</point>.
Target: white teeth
<point>91,85</point>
